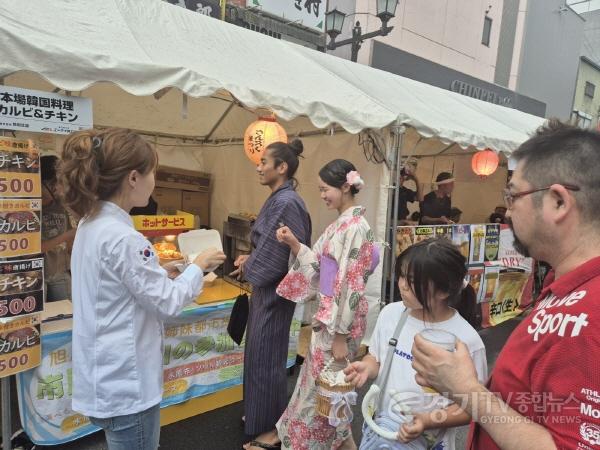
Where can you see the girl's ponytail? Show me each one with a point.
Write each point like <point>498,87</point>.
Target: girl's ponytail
<point>466,305</point>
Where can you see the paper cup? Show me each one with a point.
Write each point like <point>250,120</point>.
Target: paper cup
<point>441,338</point>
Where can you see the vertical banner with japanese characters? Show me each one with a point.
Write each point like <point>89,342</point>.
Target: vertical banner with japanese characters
<point>46,112</point>
<point>19,168</point>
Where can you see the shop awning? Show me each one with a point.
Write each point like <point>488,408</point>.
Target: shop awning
<point>145,46</point>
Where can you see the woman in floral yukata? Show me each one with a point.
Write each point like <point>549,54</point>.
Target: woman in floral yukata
<point>335,271</point>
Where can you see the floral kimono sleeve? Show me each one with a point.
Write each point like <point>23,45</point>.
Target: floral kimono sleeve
<point>301,284</point>
<point>345,311</point>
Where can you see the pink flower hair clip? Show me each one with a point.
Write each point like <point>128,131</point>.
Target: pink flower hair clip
<point>353,178</point>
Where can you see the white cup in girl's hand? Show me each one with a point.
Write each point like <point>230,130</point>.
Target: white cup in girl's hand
<point>441,338</point>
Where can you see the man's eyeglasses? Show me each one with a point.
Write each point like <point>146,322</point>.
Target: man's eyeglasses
<point>509,197</point>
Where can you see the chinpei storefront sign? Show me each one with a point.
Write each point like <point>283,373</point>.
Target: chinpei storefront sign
<point>480,93</point>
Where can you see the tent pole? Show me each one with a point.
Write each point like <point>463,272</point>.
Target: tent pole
<point>6,413</point>
<point>397,138</point>
<point>218,122</point>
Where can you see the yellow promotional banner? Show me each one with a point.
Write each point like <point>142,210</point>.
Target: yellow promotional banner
<point>507,300</point>
<point>162,223</point>
<point>20,227</point>
<point>19,168</point>
<point>20,347</point>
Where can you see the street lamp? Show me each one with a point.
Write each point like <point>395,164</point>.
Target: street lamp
<point>334,21</point>
<point>386,9</point>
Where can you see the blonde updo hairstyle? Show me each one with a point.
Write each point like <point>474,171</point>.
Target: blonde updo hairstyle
<point>94,164</point>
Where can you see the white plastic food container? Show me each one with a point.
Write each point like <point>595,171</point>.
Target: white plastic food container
<point>194,242</point>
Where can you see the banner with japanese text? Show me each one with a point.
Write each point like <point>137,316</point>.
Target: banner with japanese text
<point>199,359</point>
<point>149,225</point>
<point>309,13</point>
<point>45,395</point>
<point>21,287</point>
<point>508,300</point>
<point>19,345</point>
<point>210,8</point>
<point>46,112</point>
<point>499,274</point>
<point>20,227</point>
<point>19,168</point>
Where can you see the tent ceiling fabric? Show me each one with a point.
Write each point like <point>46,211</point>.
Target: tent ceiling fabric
<point>146,46</point>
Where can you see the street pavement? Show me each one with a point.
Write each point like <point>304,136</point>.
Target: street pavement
<point>222,430</point>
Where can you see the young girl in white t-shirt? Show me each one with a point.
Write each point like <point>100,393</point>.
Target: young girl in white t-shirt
<point>431,278</point>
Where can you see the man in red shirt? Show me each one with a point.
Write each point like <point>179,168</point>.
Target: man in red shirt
<point>544,392</point>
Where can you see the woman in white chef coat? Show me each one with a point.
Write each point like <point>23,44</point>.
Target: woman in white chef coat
<point>120,292</point>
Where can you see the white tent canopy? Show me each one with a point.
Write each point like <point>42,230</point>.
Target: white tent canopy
<point>146,46</point>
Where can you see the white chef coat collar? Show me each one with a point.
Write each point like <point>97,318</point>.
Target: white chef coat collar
<point>113,209</point>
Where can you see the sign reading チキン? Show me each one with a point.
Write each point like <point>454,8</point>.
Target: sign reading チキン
<point>21,287</point>
<point>20,345</point>
<point>19,168</point>
<point>310,13</point>
<point>155,225</point>
<point>20,229</point>
<point>39,111</point>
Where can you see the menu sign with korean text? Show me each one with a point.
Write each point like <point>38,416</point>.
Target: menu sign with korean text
<point>310,13</point>
<point>20,227</point>
<point>20,347</point>
<point>19,168</point>
<point>21,287</point>
<point>46,112</point>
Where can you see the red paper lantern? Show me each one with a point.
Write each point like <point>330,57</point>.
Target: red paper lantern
<point>260,134</point>
<point>485,163</point>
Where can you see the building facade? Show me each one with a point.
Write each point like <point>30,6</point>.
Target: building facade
<point>518,53</point>
<point>301,22</point>
<point>586,105</point>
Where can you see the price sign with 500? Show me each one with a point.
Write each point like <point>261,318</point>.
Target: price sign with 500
<point>17,306</point>
<point>17,187</point>
<point>19,169</point>
<point>20,227</point>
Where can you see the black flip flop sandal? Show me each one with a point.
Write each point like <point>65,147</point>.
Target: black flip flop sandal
<point>264,445</point>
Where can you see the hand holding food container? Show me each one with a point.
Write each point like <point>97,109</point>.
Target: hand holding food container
<point>442,366</point>
<point>441,338</point>
<point>203,248</point>
<point>210,259</point>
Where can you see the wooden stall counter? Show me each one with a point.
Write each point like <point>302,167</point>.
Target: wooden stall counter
<point>218,291</point>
